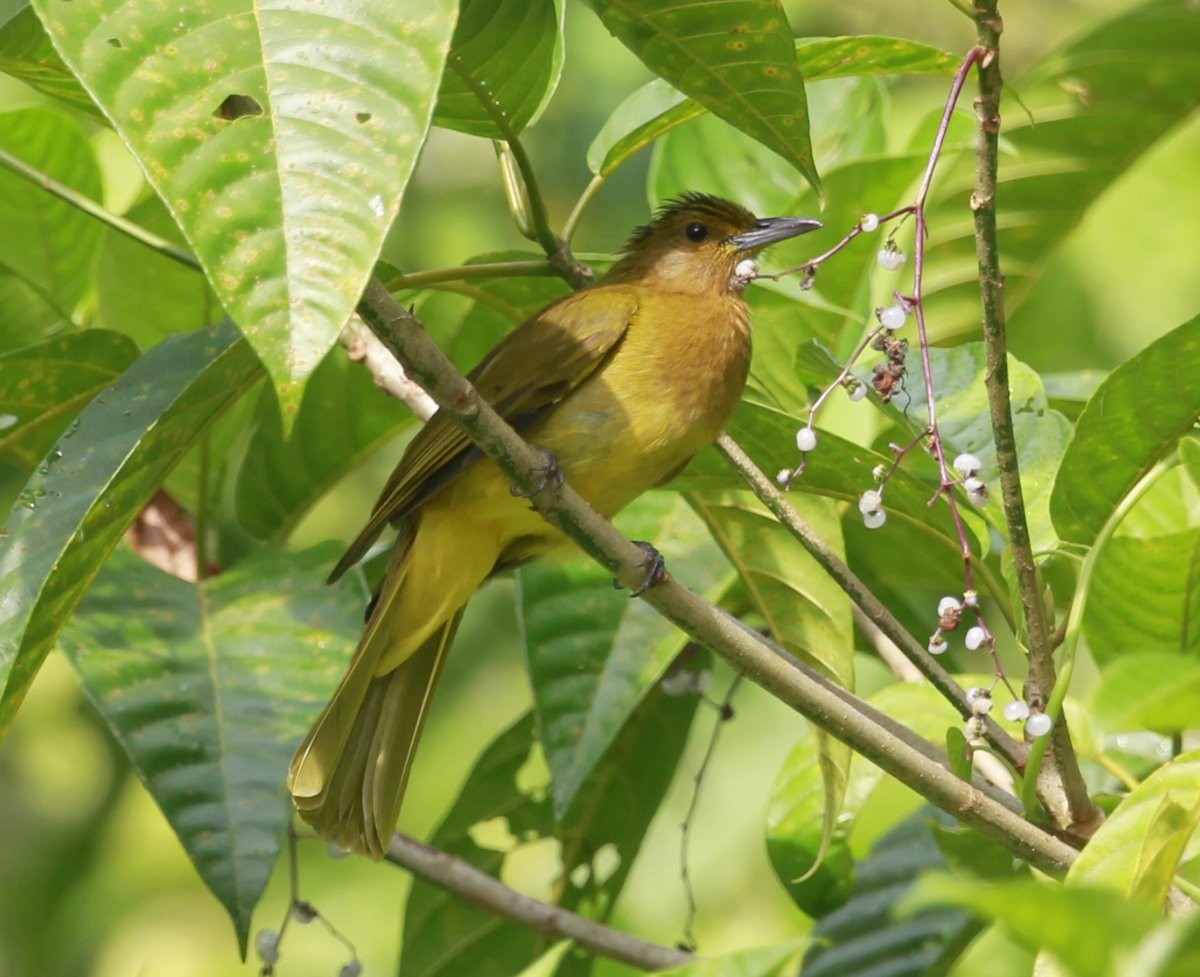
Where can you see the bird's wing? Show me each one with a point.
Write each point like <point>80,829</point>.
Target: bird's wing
<point>530,370</point>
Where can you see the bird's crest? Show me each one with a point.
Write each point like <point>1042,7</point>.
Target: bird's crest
<point>691,206</point>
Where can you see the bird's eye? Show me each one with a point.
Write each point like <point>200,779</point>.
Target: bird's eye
<point>696,231</point>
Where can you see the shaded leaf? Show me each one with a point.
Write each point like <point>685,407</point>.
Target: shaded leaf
<point>1155,690</point>
<point>597,843</point>
<point>738,61</point>
<point>107,464</point>
<point>209,687</point>
<point>507,53</point>
<point>280,137</point>
<point>42,387</point>
<point>592,652</point>
<point>48,242</point>
<point>1133,421</point>
<point>759,961</point>
<point>27,55</point>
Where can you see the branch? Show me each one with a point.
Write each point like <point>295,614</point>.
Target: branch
<point>803,688</point>
<point>481,890</point>
<point>1041,677</point>
<point>872,608</point>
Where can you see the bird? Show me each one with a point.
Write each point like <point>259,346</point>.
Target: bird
<point>620,384</point>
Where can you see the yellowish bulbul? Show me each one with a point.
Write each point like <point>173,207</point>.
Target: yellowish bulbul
<point>622,383</point>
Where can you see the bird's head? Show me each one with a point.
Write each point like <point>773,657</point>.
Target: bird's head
<point>696,241</point>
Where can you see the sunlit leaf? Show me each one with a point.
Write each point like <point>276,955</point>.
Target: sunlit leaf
<point>105,467</point>
<point>209,687</point>
<point>280,137</point>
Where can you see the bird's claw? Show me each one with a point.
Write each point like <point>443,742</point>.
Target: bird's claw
<point>548,472</point>
<point>654,565</point>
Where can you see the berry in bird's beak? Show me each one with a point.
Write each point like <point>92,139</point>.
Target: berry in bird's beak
<point>768,230</point>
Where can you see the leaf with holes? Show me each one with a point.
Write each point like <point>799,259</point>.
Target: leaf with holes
<point>208,688</point>
<point>1132,422</point>
<point>281,138</point>
<point>42,387</point>
<point>104,469</point>
<point>593,653</point>
<point>504,61</point>
<point>737,59</point>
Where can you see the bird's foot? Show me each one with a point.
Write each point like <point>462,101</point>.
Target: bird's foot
<point>654,565</point>
<point>548,473</point>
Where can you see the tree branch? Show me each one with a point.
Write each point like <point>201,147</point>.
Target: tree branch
<point>1041,679</point>
<point>480,889</point>
<point>801,687</point>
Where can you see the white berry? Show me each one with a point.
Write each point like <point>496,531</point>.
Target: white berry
<point>351,969</point>
<point>1038,724</point>
<point>937,645</point>
<point>974,638</point>
<point>968,463</point>
<point>873,520</point>
<point>948,604</point>
<point>869,222</point>
<point>893,317</point>
<point>746,268</point>
<point>869,501</point>
<point>857,391</point>
<point>889,259</point>
<point>1016,711</point>
<point>266,945</point>
<point>806,439</point>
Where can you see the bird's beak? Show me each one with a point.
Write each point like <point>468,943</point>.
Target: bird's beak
<point>772,229</point>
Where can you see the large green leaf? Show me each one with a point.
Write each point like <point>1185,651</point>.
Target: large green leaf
<point>1133,421</point>
<point>656,108</point>
<point>1089,112</point>
<point>48,242</point>
<point>209,687</point>
<point>758,961</point>
<point>505,59</point>
<point>593,653</point>
<point>281,138</point>
<point>93,484</point>
<point>505,807</point>
<point>737,59</point>
<point>42,387</point>
<point>1155,690</point>
<point>1138,848</point>
<point>1145,597</point>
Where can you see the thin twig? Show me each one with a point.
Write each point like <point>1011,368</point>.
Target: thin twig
<point>1080,809</point>
<point>462,273</point>
<point>803,688</point>
<point>480,889</point>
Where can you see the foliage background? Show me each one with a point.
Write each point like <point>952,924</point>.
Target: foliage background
<point>94,881</point>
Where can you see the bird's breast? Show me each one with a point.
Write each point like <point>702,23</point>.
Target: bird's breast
<point>666,392</point>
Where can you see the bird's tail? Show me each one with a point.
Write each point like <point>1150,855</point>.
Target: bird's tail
<point>348,782</point>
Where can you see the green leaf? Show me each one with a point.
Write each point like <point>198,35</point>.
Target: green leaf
<point>504,812</point>
<point>1089,931</point>
<point>280,480</point>
<point>737,60</point>
<point>42,387</point>
<point>1138,848</point>
<point>1099,105</point>
<point>1147,690</point>
<point>281,138</point>
<point>656,108</point>
<point>132,279</point>
<point>27,55</point>
<point>1145,597</point>
<point>865,936</point>
<point>106,466</point>
<point>48,242</point>
<point>1131,423</point>
<point>593,653</point>
<point>506,56</point>
<point>209,687</point>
